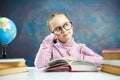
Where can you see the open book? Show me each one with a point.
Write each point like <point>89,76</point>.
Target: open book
<point>62,65</point>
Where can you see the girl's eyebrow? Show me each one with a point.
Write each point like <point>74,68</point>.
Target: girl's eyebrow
<point>62,25</point>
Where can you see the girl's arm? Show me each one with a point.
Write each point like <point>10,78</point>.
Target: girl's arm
<point>44,53</point>
<point>90,55</point>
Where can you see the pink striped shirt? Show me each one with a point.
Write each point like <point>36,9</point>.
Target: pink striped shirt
<point>49,51</point>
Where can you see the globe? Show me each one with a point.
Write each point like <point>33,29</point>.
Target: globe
<point>8,30</point>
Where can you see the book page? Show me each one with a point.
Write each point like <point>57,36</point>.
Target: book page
<point>57,62</point>
<point>83,66</point>
<point>12,60</point>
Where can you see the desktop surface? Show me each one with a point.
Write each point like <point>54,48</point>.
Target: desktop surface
<point>34,74</point>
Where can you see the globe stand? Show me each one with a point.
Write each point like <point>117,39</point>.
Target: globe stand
<point>4,52</point>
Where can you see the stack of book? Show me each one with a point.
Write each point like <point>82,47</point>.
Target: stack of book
<point>111,61</point>
<point>12,66</point>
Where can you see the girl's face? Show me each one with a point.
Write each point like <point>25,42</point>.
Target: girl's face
<point>60,20</point>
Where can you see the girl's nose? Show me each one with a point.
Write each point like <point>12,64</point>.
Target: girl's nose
<point>63,30</point>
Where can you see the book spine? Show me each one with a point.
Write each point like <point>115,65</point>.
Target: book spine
<point>111,69</point>
<point>13,71</point>
<point>111,56</point>
<point>7,65</point>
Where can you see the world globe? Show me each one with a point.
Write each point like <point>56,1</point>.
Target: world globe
<point>8,30</point>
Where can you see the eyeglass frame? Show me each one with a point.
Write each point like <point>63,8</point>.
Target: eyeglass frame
<point>63,27</point>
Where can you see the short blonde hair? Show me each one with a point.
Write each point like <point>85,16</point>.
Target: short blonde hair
<point>53,15</point>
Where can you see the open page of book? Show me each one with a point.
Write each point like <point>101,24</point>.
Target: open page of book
<point>83,66</point>
<point>57,62</point>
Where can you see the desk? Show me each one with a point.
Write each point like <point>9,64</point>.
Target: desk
<point>37,75</point>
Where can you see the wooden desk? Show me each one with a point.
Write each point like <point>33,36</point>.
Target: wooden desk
<point>36,75</point>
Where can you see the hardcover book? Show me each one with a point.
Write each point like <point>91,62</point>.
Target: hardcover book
<point>111,53</point>
<point>111,69</point>
<point>11,63</point>
<point>62,65</point>
<point>15,70</point>
<point>12,66</point>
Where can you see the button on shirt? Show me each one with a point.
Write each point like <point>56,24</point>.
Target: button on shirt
<point>49,51</point>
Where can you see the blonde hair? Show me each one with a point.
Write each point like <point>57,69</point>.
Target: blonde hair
<point>53,15</point>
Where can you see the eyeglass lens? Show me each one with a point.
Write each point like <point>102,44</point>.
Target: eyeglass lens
<point>66,26</point>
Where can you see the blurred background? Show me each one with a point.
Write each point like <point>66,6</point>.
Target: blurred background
<point>96,23</point>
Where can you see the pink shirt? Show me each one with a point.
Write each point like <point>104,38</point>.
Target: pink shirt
<point>49,51</point>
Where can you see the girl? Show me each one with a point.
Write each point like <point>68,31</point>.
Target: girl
<point>60,44</point>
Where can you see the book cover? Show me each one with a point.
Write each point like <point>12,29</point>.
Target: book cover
<point>111,53</point>
<point>111,69</point>
<point>11,63</point>
<point>70,66</point>
<point>111,56</point>
<point>58,68</point>
<point>10,71</point>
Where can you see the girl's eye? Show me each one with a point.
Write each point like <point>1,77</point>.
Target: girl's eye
<point>66,24</point>
<point>58,29</point>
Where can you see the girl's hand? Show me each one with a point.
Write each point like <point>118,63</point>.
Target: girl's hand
<point>53,36</point>
<point>69,58</point>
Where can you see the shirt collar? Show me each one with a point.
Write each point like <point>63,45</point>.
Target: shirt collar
<point>66,45</point>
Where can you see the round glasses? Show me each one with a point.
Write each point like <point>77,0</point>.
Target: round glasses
<point>58,30</point>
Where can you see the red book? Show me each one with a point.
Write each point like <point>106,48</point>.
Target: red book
<point>62,65</point>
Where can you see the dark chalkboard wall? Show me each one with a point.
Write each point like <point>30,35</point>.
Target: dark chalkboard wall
<point>96,23</point>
